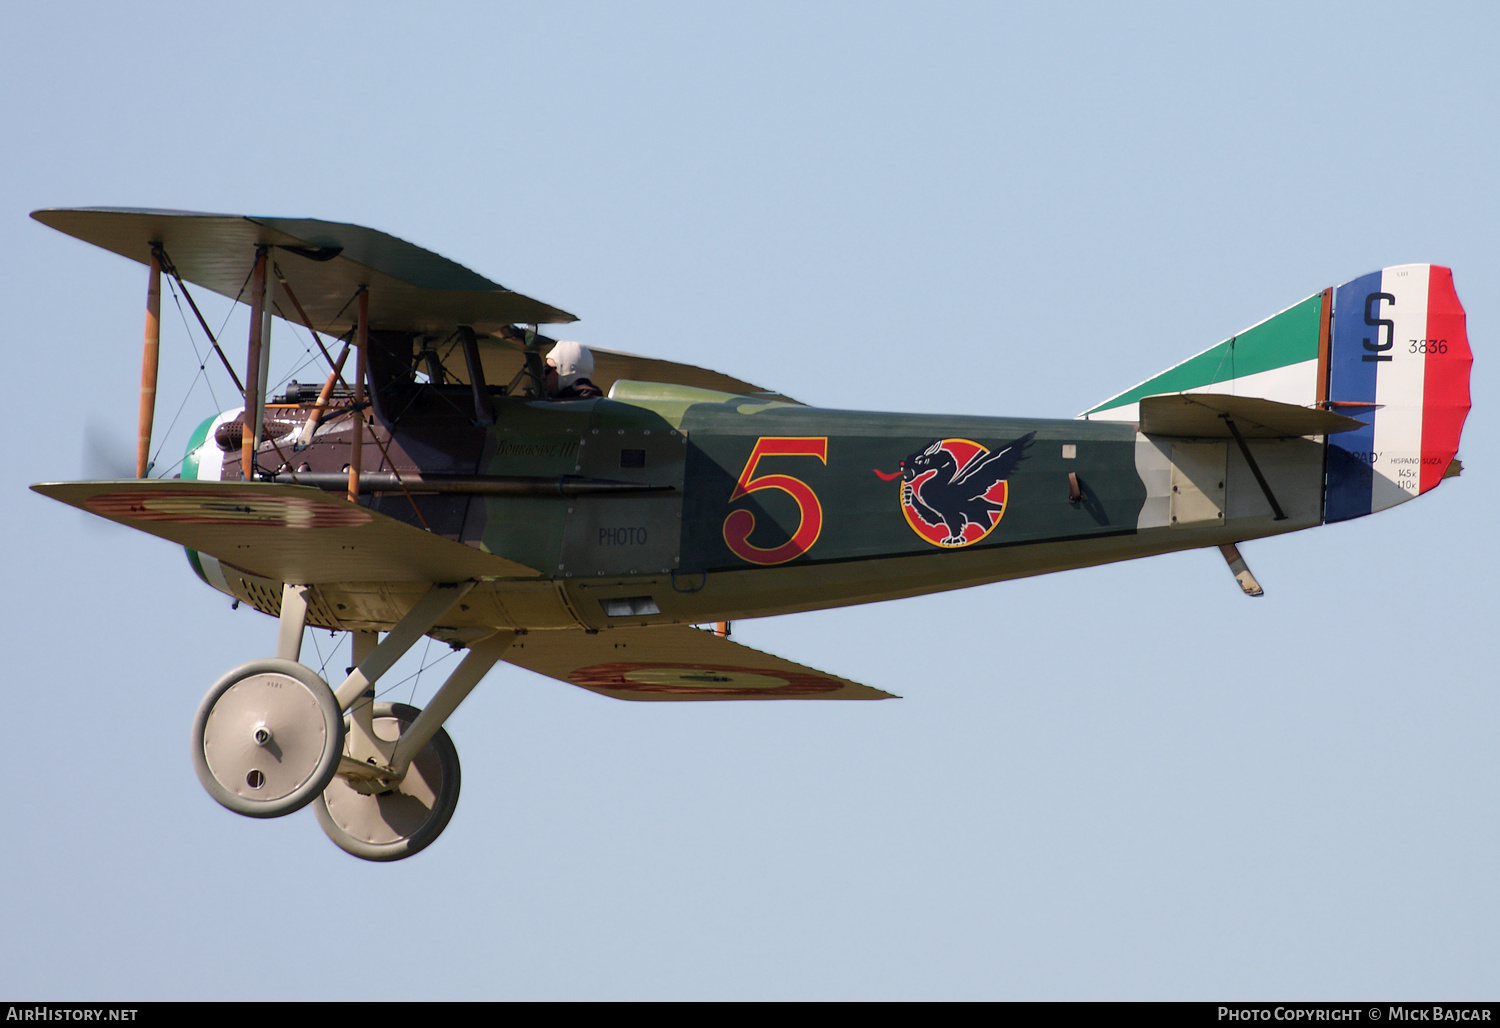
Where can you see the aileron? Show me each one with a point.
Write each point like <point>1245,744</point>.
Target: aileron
<point>676,662</point>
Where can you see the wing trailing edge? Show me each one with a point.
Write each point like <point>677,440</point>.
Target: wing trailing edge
<point>676,662</point>
<point>286,533</point>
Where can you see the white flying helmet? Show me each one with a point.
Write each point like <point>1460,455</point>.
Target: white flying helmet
<point>572,360</point>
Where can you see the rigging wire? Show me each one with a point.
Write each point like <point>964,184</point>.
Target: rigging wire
<point>417,673</point>
<point>1228,355</point>
<point>307,349</point>
<point>316,648</point>
<point>412,699</point>
<point>322,660</point>
<point>312,358</point>
<point>202,374</point>
<point>202,360</point>
<point>235,305</point>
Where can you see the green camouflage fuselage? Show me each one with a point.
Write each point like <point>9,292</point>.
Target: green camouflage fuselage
<point>764,507</point>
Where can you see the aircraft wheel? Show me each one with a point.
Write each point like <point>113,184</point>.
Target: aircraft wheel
<point>406,820</point>
<point>267,738</point>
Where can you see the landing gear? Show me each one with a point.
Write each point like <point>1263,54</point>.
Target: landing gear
<point>268,738</point>
<point>271,737</point>
<point>394,822</point>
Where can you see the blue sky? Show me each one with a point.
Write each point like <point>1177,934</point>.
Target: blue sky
<point>1124,782</point>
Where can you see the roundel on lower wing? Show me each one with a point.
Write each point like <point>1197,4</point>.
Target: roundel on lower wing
<point>214,508</point>
<point>724,680</point>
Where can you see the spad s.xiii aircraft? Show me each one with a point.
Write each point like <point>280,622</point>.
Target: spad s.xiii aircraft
<point>431,485</point>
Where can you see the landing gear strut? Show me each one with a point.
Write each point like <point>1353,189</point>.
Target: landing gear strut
<point>272,737</point>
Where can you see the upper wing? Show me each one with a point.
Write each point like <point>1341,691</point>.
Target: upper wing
<point>411,289</point>
<point>675,662</point>
<point>326,262</point>
<point>286,533</point>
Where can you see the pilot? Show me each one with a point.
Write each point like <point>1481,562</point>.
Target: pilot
<point>569,366</point>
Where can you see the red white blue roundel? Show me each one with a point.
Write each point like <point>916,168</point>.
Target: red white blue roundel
<point>954,491</point>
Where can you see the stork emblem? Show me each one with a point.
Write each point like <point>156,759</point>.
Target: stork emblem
<point>954,492</point>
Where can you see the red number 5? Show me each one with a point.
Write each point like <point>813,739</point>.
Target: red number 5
<point>740,523</point>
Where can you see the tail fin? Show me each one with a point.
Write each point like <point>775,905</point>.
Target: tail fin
<point>1389,349</point>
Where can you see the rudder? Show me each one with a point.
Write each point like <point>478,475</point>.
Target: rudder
<point>1399,361</point>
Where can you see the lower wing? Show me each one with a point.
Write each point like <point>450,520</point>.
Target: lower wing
<point>286,533</point>
<point>675,662</point>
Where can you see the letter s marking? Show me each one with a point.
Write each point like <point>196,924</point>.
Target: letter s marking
<point>1372,308</point>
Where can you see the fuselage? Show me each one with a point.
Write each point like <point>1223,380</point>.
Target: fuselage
<point>746,506</point>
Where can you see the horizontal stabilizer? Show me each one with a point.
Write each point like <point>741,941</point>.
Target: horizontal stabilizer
<point>675,662</point>
<point>286,533</point>
<point>1207,415</point>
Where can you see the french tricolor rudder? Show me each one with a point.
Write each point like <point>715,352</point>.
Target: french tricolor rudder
<point>1399,361</point>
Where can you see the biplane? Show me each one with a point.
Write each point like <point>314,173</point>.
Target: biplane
<point>428,485</point>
